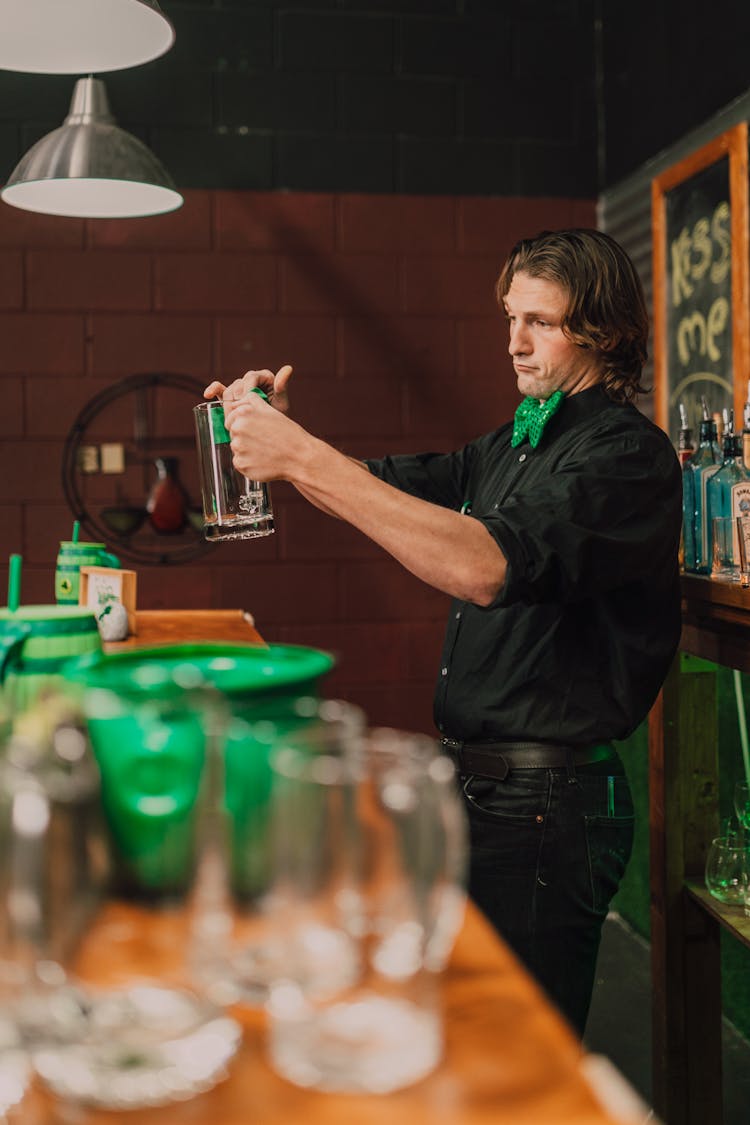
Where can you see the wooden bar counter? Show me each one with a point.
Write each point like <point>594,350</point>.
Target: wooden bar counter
<point>181,626</point>
<point>510,1059</point>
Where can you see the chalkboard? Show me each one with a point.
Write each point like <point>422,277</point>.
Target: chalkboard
<point>701,344</point>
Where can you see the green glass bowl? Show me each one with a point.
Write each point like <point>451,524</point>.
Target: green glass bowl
<point>237,671</point>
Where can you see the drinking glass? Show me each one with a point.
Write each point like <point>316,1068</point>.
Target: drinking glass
<point>232,950</point>
<point>137,1041</point>
<point>725,863</point>
<point>369,868</point>
<point>233,506</point>
<point>742,804</point>
<point>745,880</point>
<point>725,559</point>
<point>15,1063</point>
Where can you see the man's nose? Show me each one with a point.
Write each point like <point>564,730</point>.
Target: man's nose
<point>518,343</point>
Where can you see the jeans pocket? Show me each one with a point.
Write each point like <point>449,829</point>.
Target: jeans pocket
<point>609,842</point>
<point>518,799</point>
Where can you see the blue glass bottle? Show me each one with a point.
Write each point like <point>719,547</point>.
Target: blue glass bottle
<point>695,475</point>
<point>728,490</point>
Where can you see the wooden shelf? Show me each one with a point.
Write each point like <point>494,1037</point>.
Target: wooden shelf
<point>686,920</point>
<point>716,621</point>
<point>731,918</point>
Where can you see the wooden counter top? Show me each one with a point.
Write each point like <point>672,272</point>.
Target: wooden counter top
<point>180,626</point>
<point>509,1059</point>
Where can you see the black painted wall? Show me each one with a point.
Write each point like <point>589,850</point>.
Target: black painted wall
<point>414,96</point>
<point>668,66</point>
<point>469,97</point>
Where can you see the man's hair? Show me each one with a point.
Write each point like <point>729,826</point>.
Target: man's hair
<point>606,307</point>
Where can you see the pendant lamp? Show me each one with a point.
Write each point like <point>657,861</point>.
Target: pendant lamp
<point>81,36</point>
<point>89,168</point>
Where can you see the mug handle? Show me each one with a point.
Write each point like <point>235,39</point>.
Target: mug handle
<point>10,642</point>
<point>107,559</point>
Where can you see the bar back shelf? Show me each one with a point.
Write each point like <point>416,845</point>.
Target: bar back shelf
<point>684,817</point>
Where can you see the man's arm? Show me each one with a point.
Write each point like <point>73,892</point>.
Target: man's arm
<point>452,552</point>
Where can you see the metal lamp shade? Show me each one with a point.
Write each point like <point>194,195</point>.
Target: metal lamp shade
<point>90,168</point>
<point>81,36</point>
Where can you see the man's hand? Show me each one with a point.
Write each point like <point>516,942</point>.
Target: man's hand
<point>266,445</point>
<point>272,385</point>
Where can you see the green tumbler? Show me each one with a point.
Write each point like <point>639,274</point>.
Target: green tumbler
<point>147,717</point>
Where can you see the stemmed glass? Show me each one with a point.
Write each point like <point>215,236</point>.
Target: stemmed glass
<point>742,808</point>
<point>742,804</point>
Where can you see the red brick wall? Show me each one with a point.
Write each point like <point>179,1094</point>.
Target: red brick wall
<point>384,304</point>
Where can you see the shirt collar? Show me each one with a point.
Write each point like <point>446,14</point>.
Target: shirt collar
<point>578,408</point>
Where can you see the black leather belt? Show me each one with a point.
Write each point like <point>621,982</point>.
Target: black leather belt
<point>497,759</point>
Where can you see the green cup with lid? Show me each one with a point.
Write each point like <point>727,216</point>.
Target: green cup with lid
<point>147,713</point>
<point>71,556</point>
<point>36,643</point>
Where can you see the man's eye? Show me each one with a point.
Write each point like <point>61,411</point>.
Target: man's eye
<point>542,323</point>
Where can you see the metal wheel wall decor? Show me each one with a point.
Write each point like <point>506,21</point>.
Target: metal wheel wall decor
<point>134,441</point>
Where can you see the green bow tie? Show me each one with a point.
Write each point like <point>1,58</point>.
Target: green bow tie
<point>532,416</point>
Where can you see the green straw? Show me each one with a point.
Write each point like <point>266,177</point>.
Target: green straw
<point>14,583</point>
<point>76,531</point>
<point>742,722</point>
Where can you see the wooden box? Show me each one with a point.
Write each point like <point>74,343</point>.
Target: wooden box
<point>100,584</point>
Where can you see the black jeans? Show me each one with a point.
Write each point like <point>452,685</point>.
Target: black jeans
<point>548,850</point>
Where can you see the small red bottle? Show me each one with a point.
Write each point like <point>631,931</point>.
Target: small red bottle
<point>167,503</point>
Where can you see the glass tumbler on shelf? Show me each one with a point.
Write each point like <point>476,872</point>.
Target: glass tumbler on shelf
<point>742,806</point>
<point>725,863</point>
<point>368,895</point>
<point>725,550</point>
<point>233,506</point>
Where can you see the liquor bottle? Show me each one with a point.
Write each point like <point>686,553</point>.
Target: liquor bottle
<point>728,490</point>
<point>746,429</point>
<point>695,475</point>
<point>685,446</point>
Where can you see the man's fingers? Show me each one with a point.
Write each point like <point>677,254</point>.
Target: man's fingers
<point>214,390</point>
<point>280,382</point>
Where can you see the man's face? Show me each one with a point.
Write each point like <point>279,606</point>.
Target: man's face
<point>544,359</point>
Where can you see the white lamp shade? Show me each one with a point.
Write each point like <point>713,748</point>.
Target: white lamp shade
<point>81,36</point>
<point>90,168</point>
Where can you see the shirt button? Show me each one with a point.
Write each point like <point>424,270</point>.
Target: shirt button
<point>522,457</point>
<point>458,615</point>
<point>443,671</point>
<point>496,506</point>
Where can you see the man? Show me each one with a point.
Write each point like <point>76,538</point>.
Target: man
<point>557,537</point>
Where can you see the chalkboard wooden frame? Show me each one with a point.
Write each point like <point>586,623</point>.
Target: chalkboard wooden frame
<point>732,144</point>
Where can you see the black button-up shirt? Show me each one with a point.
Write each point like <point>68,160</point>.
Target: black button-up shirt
<point>579,639</point>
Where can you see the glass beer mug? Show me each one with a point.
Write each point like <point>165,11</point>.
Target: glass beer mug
<point>233,506</point>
